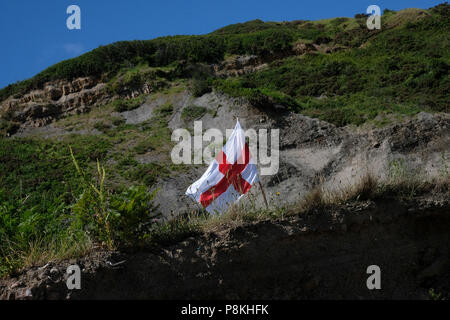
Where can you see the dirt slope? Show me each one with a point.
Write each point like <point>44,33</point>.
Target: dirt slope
<point>324,254</point>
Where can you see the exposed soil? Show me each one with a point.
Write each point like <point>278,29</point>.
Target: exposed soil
<point>323,254</point>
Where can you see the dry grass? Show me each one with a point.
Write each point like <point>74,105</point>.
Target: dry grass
<point>405,186</point>
<point>42,251</point>
<point>236,216</point>
<point>320,197</point>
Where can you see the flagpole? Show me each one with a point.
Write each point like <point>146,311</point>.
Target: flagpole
<point>264,195</point>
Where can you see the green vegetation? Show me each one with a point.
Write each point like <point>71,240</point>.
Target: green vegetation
<point>39,184</point>
<point>57,202</point>
<point>401,70</point>
<point>112,218</point>
<point>200,86</point>
<point>121,105</point>
<point>53,206</point>
<point>130,79</point>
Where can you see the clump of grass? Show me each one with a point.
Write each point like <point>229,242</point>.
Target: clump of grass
<point>321,197</point>
<point>236,216</point>
<point>315,199</point>
<point>8,127</point>
<point>175,230</point>
<point>407,183</point>
<point>193,112</point>
<point>122,105</point>
<point>94,200</point>
<point>200,86</point>
<point>15,256</point>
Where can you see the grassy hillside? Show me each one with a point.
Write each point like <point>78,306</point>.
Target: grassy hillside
<point>400,70</point>
<point>403,67</point>
<point>55,205</point>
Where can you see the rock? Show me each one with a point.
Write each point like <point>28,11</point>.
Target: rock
<point>53,93</point>
<point>16,284</point>
<point>54,271</point>
<point>58,98</point>
<point>238,65</point>
<point>300,48</point>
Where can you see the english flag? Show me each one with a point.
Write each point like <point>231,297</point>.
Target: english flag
<point>229,176</point>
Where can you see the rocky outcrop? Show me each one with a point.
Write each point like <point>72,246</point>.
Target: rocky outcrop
<point>239,65</point>
<point>58,98</point>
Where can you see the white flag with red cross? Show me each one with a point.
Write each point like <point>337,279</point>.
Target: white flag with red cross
<point>229,176</point>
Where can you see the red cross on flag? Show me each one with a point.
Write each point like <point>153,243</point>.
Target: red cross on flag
<point>229,176</point>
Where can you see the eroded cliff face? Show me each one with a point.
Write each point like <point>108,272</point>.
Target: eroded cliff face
<point>56,99</point>
<point>321,255</point>
<point>62,98</point>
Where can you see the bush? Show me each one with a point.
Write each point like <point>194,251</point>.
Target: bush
<point>134,215</point>
<point>200,87</point>
<point>118,121</point>
<point>112,219</point>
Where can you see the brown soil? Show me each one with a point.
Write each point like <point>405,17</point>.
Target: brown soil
<point>323,254</point>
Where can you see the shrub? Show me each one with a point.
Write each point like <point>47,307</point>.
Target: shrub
<point>134,214</point>
<point>8,128</point>
<point>200,86</point>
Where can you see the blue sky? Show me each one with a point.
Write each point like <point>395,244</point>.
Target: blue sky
<point>34,34</point>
